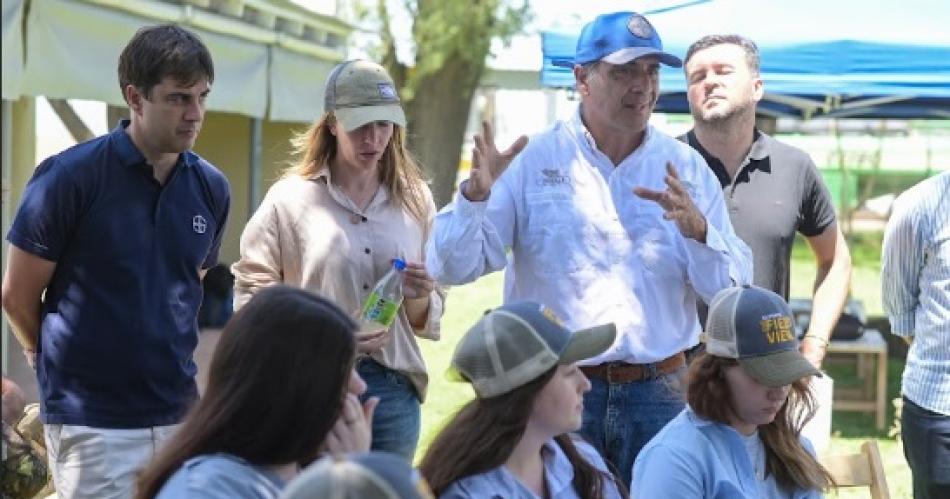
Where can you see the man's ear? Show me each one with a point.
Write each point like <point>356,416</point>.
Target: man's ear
<point>758,88</point>
<point>581,79</point>
<point>134,98</point>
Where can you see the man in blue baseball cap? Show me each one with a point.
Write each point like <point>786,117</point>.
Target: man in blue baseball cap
<point>607,219</point>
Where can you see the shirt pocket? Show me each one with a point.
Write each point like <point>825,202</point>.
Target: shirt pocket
<point>560,238</point>
<point>656,245</point>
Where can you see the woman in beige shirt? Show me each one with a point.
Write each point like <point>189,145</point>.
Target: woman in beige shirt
<point>354,201</point>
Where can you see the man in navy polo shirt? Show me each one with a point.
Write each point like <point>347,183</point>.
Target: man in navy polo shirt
<point>103,282</point>
<point>773,190</point>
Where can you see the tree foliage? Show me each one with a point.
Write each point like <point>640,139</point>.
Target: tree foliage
<point>451,39</point>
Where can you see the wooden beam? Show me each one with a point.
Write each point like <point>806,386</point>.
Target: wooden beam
<point>71,120</point>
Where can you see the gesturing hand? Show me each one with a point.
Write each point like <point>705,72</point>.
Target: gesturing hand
<point>488,164</point>
<point>678,205</point>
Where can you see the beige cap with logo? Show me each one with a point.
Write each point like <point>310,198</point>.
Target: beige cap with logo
<point>360,92</point>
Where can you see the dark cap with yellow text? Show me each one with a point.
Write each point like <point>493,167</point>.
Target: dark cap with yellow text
<point>755,326</point>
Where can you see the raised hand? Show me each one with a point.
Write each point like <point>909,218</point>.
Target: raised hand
<point>678,205</point>
<point>488,164</point>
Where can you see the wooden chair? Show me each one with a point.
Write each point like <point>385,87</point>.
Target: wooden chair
<point>864,469</point>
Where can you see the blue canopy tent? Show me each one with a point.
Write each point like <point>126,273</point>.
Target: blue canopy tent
<point>845,58</point>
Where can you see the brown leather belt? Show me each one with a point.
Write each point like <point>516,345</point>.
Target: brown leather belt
<point>622,372</point>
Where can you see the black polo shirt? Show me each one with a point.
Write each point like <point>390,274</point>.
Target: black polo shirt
<point>119,317</point>
<point>777,192</point>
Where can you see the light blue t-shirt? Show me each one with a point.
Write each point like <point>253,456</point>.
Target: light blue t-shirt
<point>221,476</point>
<point>695,457</point>
<point>499,483</point>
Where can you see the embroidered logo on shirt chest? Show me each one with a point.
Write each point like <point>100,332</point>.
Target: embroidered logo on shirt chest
<point>553,177</point>
<point>199,224</point>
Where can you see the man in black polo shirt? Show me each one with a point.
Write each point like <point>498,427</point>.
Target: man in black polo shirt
<point>103,282</point>
<point>772,189</point>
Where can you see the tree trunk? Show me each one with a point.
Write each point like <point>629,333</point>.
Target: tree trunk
<point>438,116</point>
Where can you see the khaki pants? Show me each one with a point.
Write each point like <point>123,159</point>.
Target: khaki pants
<point>99,462</point>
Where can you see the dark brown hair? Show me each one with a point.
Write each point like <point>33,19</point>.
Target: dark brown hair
<point>748,46</point>
<point>794,467</point>
<point>275,386</point>
<point>155,52</point>
<point>484,433</point>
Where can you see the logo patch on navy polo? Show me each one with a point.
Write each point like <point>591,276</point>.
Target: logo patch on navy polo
<point>386,91</point>
<point>640,27</point>
<point>199,224</point>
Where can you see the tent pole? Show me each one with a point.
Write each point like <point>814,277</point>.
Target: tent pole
<point>254,162</point>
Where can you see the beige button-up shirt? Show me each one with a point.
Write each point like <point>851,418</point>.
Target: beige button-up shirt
<point>308,233</point>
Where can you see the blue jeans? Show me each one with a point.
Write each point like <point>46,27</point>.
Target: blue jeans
<point>397,418</point>
<point>620,418</point>
<point>926,436</point>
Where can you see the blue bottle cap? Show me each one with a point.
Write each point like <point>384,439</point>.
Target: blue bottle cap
<point>399,264</point>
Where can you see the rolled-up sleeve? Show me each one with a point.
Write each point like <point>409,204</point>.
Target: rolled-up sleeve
<point>260,263</point>
<point>902,259</point>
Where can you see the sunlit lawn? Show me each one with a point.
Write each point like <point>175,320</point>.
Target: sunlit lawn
<point>467,303</point>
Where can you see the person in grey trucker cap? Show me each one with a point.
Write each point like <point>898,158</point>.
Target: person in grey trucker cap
<point>372,475</point>
<point>740,435</point>
<point>514,440</point>
<point>603,218</point>
<point>354,200</point>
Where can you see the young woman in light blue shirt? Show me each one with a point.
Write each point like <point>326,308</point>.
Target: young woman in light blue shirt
<point>281,390</point>
<point>740,435</point>
<point>514,440</point>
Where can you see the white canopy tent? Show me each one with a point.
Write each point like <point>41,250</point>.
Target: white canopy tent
<point>64,48</point>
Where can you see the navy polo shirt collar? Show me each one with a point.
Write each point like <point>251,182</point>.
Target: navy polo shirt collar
<point>129,154</point>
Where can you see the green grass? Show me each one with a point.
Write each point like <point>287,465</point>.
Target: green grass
<point>465,304</point>
<point>866,270</point>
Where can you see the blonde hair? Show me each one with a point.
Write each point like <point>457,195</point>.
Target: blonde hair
<point>785,456</point>
<point>398,171</point>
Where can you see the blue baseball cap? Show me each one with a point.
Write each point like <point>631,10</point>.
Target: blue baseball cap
<point>619,38</point>
<point>756,327</point>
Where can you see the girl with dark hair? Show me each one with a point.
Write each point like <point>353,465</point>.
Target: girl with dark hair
<point>514,440</point>
<point>740,435</point>
<point>353,201</point>
<point>281,389</point>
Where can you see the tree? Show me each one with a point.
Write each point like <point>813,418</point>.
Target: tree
<point>452,39</point>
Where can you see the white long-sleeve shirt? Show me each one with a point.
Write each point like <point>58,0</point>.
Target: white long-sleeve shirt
<point>583,244</point>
